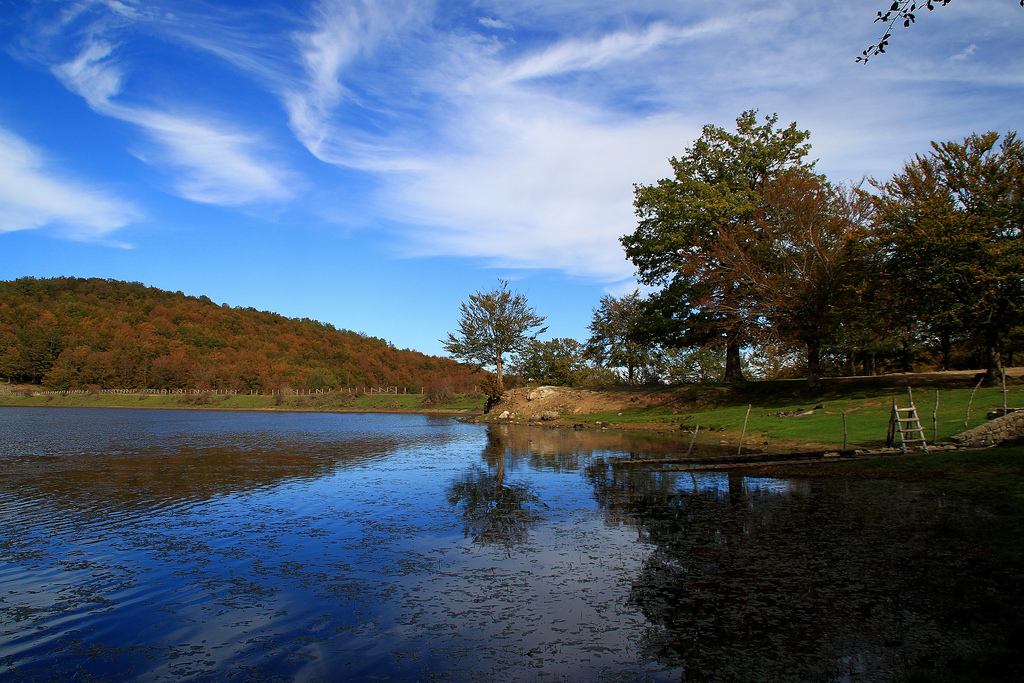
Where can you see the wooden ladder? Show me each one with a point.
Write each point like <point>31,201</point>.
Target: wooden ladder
<point>906,421</point>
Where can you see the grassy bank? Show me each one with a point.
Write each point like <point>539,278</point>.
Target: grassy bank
<point>782,416</point>
<point>340,402</point>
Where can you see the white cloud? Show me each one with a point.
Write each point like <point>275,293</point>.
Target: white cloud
<point>532,178</point>
<point>215,162</point>
<point>494,23</point>
<point>626,287</point>
<point>965,53</point>
<point>91,75</point>
<point>573,55</point>
<point>218,165</point>
<point>33,196</point>
<point>538,191</point>
<point>342,33</point>
<point>520,147</point>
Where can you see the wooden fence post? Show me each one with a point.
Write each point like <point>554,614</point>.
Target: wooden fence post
<point>971,401</point>
<point>744,432</point>
<point>1004,391</point>
<point>696,429</point>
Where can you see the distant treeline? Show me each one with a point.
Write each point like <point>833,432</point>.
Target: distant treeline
<point>71,333</point>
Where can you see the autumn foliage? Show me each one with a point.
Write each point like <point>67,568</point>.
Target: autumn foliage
<point>71,333</point>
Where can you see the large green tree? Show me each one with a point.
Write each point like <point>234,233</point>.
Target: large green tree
<point>557,361</point>
<point>493,325</point>
<point>716,186</point>
<point>612,343</point>
<point>953,224</point>
<point>799,260</point>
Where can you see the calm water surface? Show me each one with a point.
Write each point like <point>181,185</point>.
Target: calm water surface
<point>176,545</point>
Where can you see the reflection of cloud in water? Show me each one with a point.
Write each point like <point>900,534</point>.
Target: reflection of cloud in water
<point>718,482</point>
<point>778,487</point>
<point>705,482</point>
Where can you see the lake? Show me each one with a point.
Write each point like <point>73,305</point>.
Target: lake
<point>184,545</point>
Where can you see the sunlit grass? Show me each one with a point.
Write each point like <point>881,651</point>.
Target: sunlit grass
<point>816,421</point>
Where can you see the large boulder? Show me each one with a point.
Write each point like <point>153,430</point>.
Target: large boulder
<point>541,393</point>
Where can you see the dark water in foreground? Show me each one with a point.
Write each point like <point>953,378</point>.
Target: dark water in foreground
<point>173,545</point>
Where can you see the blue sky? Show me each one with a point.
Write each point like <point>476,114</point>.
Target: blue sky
<point>370,164</point>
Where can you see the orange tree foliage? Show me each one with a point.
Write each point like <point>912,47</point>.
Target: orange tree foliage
<point>71,332</point>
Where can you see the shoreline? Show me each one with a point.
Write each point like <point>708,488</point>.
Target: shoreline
<point>767,416</point>
<point>221,409</point>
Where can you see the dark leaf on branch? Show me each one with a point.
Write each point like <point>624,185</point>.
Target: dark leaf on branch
<point>901,10</point>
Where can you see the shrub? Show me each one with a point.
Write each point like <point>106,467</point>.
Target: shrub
<point>438,392</point>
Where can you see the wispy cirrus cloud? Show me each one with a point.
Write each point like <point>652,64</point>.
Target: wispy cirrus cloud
<point>536,191</point>
<point>512,131</point>
<point>33,195</point>
<point>577,55</point>
<point>342,107</point>
<point>490,22</point>
<point>533,177</point>
<point>91,46</point>
<point>215,162</point>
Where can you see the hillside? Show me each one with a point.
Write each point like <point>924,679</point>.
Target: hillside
<point>71,333</point>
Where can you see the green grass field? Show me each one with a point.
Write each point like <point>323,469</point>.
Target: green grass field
<point>781,421</point>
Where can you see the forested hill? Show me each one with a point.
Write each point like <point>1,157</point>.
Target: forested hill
<point>71,332</point>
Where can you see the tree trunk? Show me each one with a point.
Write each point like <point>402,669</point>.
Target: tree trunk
<point>813,365</point>
<point>733,369</point>
<point>495,392</point>
<point>736,496</point>
<point>991,353</point>
<point>945,342</point>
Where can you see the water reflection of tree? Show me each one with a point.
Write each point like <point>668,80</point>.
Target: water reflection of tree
<point>846,579</point>
<point>135,474</point>
<point>494,512</point>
